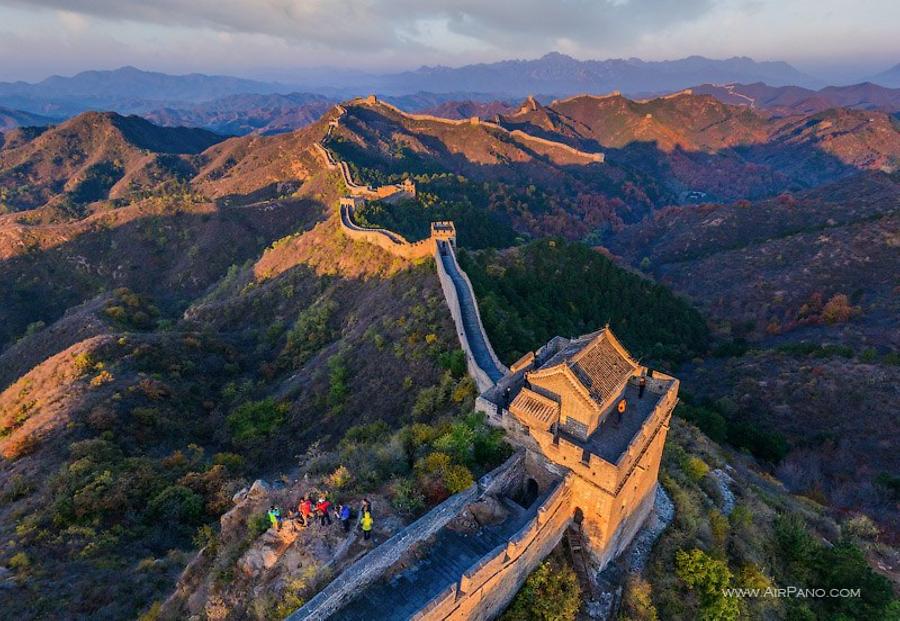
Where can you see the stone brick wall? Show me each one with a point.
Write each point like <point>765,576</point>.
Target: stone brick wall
<point>487,587</point>
<point>392,242</point>
<point>594,157</point>
<point>481,378</point>
<point>373,565</point>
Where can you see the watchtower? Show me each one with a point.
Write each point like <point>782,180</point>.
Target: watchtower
<point>586,405</point>
<point>444,230</point>
<point>352,202</point>
<point>409,187</point>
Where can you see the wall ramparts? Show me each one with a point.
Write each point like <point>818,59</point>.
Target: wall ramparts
<point>392,242</point>
<point>594,157</point>
<point>373,565</point>
<point>612,512</point>
<point>488,586</point>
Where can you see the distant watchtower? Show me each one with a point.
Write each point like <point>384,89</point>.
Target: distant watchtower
<point>352,202</point>
<point>444,230</point>
<point>409,187</point>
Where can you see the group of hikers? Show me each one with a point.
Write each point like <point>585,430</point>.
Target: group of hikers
<point>308,513</point>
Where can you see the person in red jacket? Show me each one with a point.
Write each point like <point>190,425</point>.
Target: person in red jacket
<point>322,509</point>
<point>306,509</point>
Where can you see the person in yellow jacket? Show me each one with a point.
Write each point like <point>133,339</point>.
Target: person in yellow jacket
<point>366,524</point>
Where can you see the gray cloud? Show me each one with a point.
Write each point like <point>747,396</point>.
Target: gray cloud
<point>268,37</point>
<point>375,24</point>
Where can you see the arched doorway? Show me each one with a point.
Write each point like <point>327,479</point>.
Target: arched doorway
<point>528,493</point>
<point>578,518</point>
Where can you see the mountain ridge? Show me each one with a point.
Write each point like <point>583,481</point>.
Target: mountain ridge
<point>799,100</point>
<point>129,89</point>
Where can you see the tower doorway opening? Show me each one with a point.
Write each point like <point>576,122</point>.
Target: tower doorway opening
<point>528,494</point>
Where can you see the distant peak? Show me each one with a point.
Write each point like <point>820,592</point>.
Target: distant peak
<point>556,56</point>
<point>530,104</point>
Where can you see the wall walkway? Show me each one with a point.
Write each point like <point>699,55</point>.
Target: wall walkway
<point>483,363</point>
<point>435,569</point>
<point>356,578</point>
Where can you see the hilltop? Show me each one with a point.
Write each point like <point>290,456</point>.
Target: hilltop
<point>94,156</point>
<point>246,113</point>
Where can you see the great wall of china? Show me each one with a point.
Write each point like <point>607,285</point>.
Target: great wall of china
<point>587,463</point>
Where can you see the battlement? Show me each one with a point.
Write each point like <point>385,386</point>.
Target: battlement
<point>390,241</point>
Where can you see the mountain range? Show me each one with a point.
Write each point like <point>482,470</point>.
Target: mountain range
<point>559,75</point>
<point>799,100</point>
<point>131,90</point>
<point>126,89</point>
<point>890,77</point>
<point>182,313</point>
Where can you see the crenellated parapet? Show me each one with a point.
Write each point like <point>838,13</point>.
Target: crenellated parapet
<point>390,241</point>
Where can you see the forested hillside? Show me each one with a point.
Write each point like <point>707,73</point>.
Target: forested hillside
<point>532,293</point>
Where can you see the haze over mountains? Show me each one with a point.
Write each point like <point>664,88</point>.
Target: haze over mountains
<point>131,90</point>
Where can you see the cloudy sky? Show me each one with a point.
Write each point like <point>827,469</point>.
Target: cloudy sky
<point>832,39</point>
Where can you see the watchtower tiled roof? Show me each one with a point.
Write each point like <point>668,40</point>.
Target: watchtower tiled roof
<point>602,366</point>
<point>535,409</point>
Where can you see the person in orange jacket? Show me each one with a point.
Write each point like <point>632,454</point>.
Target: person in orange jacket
<point>306,508</point>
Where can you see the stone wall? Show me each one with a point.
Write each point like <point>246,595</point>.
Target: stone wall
<point>373,565</point>
<point>392,242</point>
<point>481,378</point>
<point>593,157</point>
<point>486,588</point>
